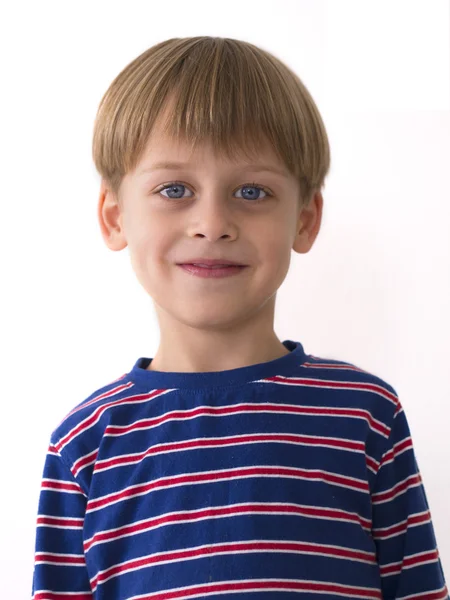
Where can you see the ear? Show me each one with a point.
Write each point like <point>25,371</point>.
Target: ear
<point>309,222</point>
<point>109,213</point>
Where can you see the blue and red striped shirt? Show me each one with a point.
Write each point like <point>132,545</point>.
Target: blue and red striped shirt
<point>294,476</point>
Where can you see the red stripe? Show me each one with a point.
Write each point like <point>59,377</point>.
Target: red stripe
<point>226,441</point>
<point>60,559</point>
<point>234,548</point>
<point>195,515</point>
<point>61,485</point>
<point>242,408</point>
<point>268,585</point>
<point>227,474</point>
<point>60,521</point>
<point>62,596</point>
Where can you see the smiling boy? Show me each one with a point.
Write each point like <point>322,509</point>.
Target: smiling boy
<point>230,463</point>
<point>211,215</point>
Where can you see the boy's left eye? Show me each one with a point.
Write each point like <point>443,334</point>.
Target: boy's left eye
<point>245,188</point>
<point>256,187</point>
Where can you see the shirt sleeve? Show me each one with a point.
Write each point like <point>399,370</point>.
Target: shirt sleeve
<point>402,529</point>
<point>60,571</point>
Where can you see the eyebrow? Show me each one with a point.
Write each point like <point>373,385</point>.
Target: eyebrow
<point>179,165</point>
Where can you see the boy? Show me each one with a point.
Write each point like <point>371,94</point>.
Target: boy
<point>231,465</point>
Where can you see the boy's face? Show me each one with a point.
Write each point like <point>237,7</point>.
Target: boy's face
<point>209,215</point>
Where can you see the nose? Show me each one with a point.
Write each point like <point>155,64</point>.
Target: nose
<point>212,219</point>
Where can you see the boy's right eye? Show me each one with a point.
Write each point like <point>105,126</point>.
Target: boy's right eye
<point>171,185</point>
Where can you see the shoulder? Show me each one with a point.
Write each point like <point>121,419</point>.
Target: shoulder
<point>365,404</point>
<point>345,371</point>
<point>79,434</point>
<point>353,385</point>
<point>93,406</point>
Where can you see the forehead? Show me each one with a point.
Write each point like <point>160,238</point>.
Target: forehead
<point>164,152</point>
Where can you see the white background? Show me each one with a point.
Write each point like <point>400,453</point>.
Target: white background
<point>373,291</point>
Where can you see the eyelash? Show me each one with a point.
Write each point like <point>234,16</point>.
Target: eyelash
<point>254,184</point>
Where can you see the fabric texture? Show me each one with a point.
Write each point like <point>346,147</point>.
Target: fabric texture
<point>290,478</point>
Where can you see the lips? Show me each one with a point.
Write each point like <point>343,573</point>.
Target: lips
<point>212,262</point>
<point>218,266</point>
<point>212,271</point>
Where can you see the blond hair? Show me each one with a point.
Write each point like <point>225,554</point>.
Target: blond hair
<point>226,91</point>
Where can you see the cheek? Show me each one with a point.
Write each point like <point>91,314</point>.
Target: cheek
<point>274,242</point>
<point>275,250</point>
<point>140,231</point>
<point>151,249</point>
<point>140,235</point>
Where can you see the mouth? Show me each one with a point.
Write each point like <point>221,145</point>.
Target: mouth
<point>217,266</point>
<point>209,262</point>
<point>212,271</point>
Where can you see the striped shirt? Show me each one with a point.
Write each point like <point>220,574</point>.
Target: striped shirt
<point>294,476</point>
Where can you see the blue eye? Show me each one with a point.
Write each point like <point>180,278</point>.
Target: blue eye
<point>175,185</point>
<point>255,186</point>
